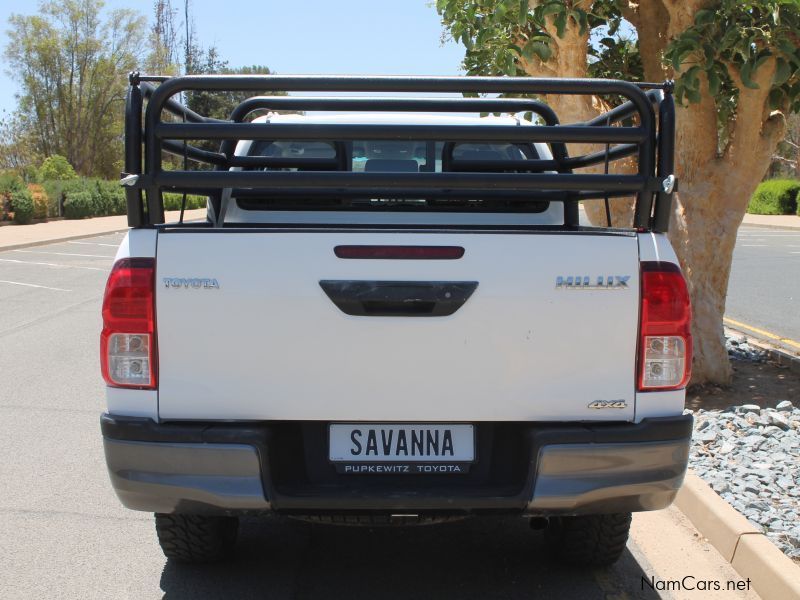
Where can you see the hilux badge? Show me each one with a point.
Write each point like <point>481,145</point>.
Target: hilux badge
<point>586,282</point>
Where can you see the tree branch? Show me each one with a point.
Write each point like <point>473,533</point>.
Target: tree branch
<point>755,129</point>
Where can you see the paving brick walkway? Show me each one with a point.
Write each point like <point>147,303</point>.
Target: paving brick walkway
<point>20,236</point>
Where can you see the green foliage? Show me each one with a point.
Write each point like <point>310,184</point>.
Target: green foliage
<point>731,40</point>
<point>728,42</point>
<point>56,167</point>
<point>70,61</point>
<point>10,182</point>
<point>22,205</point>
<point>107,197</point>
<point>173,201</point>
<point>59,190</point>
<point>775,197</point>
<point>81,185</point>
<point>616,58</point>
<point>79,205</point>
<point>497,33</point>
<point>110,198</point>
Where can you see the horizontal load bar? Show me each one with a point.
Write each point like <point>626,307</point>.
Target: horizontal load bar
<point>380,104</point>
<point>422,193</point>
<point>367,193</point>
<point>405,193</point>
<point>467,133</point>
<point>359,83</point>
<point>275,181</point>
<point>642,85</point>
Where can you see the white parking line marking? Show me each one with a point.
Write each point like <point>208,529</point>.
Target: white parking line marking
<point>45,264</point>
<point>33,285</point>
<point>753,245</point>
<point>94,244</point>
<point>65,254</point>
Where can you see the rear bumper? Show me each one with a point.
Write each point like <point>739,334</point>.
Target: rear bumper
<point>236,468</point>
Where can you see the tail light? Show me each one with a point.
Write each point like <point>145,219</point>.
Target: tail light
<point>128,340</point>
<point>665,342</point>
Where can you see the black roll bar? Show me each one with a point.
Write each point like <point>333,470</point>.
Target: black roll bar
<point>650,140</point>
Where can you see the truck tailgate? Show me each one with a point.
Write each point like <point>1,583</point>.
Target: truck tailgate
<point>268,343</point>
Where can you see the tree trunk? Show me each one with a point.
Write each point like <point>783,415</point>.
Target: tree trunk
<point>703,238</point>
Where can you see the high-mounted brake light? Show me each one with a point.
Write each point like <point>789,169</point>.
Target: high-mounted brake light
<point>665,342</point>
<point>128,340</point>
<point>400,252</point>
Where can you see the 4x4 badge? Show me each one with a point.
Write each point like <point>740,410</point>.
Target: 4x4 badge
<point>608,404</point>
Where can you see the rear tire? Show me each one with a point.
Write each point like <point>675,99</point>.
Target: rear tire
<point>196,538</point>
<point>589,540</point>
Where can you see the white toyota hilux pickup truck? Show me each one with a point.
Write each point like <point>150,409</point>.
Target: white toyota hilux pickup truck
<point>393,314</point>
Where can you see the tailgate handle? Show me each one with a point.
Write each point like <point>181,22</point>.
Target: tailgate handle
<point>398,298</point>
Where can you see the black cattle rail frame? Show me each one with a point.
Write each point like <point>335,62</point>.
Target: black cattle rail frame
<point>650,137</point>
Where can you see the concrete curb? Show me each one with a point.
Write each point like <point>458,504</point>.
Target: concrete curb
<point>60,239</point>
<point>773,574</point>
<point>771,225</point>
<point>772,221</point>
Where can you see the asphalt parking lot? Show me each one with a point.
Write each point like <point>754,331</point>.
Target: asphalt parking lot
<point>63,534</point>
<point>764,288</point>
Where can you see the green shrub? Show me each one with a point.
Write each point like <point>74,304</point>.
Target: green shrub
<point>79,205</point>
<point>797,200</point>
<point>77,187</point>
<point>57,190</point>
<point>775,197</point>
<point>56,167</point>
<point>10,182</point>
<point>108,197</point>
<point>173,201</point>
<point>22,205</point>
<point>80,185</point>
<point>111,197</point>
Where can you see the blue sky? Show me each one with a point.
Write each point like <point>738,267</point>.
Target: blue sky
<point>378,37</point>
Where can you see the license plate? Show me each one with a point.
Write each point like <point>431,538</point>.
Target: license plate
<point>401,448</point>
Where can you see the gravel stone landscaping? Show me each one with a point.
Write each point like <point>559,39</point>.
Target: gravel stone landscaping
<point>750,453</point>
<point>751,457</point>
<point>739,349</point>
